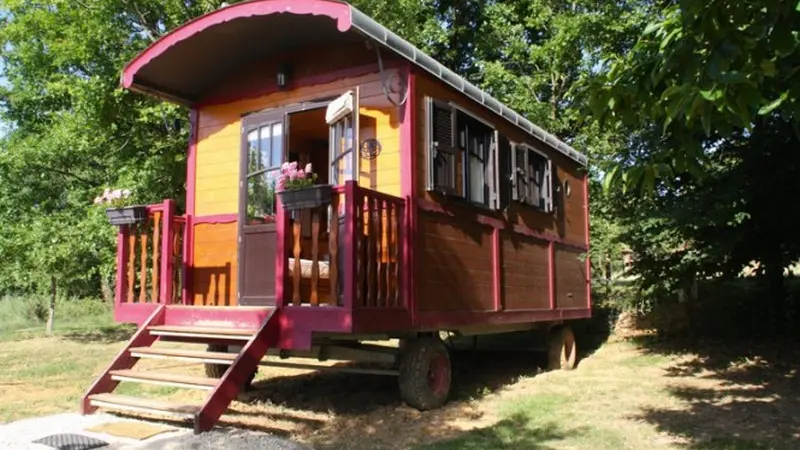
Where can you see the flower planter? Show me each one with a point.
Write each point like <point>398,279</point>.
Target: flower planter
<point>126,215</point>
<point>308,197</point>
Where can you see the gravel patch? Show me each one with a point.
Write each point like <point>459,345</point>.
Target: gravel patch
<point>21,434</point>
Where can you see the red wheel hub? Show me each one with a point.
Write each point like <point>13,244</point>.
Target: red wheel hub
<point>438,374</point>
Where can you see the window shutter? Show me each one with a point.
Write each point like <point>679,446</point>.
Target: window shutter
<point>505,173</point>
<point>521,181</point>
<point>441,151</point>
<point>548,186</point>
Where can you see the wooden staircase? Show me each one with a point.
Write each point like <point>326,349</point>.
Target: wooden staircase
<point>255,341</point>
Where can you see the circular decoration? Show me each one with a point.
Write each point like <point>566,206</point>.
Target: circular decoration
<point>567,189</point>
<point>370,148</point>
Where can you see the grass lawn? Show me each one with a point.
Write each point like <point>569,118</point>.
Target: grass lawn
<point>626,395</point>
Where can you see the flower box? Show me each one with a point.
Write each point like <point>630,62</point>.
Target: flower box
<point>126,215</point>
<point>307,197</point>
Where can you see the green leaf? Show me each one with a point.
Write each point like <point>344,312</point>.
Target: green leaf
<point>652,27</point>
<point>766,109</point>
<point>768,67</point>
<point>608,180</point>
<point>705,118</point>
<point>713,94</point>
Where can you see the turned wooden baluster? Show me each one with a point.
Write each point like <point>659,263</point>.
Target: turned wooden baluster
<point>156,266</point>
<point>380,238</point>
<point>315,213</point>
<point>333,248</point>
<point>396,223</point>
<point>132,262</point>
<point>387,238</point>
<point>297,267</point>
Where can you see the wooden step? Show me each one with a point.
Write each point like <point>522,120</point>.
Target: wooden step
<point>239,334</point>
<point>165,379</point>
<point>143,405</point>
<point>183,355</point>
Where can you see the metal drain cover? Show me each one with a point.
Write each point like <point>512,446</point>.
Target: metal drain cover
<point>71,442</point>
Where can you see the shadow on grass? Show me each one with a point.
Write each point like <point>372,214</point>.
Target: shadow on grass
<point>513,433</point>
<point>101,335</point>
<point>736,395</point>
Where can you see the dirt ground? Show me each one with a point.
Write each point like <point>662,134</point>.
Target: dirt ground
<point>629,393</point>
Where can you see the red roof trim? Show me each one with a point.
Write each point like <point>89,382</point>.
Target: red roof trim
<point>335,10</point>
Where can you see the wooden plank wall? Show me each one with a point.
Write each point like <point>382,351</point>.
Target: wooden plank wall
<point>455,260</point>
<point>219,141</point>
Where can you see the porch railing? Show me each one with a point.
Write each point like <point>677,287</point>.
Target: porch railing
<point>347,254</point>
<point>150,257</point>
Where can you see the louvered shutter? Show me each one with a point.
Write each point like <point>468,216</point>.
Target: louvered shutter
<point>441,147</point>
<point>521,177</point>
<point>505,175</point>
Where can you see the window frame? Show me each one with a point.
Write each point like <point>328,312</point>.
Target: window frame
<point>465,151</point>
<point>521,171</point>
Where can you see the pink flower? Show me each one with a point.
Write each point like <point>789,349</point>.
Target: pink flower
<point>308,168</point>
<point>301,174</point>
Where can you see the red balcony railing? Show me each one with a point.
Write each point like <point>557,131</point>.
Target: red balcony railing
<point>150,265</point>
<point>346,254</point>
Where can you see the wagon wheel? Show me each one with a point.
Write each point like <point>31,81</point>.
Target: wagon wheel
<point>425,373</point>
<point>562,350</point>
<point>217,370</point>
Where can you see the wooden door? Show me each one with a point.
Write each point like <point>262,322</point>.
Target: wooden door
<point>263,148</point>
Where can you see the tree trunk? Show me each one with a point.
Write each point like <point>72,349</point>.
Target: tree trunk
<point>773,276</point>
<point>52,310</point>
<point>105,288</point>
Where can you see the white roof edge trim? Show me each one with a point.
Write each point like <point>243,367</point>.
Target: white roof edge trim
<point>383,35</point>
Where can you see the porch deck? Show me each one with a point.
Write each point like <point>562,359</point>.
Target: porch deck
<point>335,265</point>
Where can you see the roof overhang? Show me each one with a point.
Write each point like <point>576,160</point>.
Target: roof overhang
<point>183,64</point>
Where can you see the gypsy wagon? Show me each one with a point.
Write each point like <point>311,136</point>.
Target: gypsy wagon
<point>435,208</point>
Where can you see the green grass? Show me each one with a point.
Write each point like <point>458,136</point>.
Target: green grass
<point>25,317</point>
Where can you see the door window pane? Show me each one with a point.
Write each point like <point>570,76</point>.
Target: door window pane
<point>261,197</point>
<point>265,157</point>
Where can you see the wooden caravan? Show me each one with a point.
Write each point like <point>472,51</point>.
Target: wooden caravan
<point>436,208</point>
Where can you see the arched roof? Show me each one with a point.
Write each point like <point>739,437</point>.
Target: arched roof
<point>185,63</point>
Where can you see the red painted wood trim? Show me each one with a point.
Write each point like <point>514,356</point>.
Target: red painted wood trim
<point>122,261</point>
<point>218,317</point>
<point>350,243</point>
<point>438,208</point>
<point>335,10</point>
<point>215,219</point>
<point>551,274</point>
<point>165,293</point>
<point>381,320</point>
<point>409,194</point>
<point>281,274</point>
<point>136,313</point>
<point>298,324</point>
<point>271,88</point>
<point>187,290</point>
<point>439,320</point>
<point>123,360</point>
<point>191,161</point>
<point>588,260</point>
<point>497,270</point>
<point>238,373</point>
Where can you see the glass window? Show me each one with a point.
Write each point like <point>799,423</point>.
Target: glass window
<point>265,157</point>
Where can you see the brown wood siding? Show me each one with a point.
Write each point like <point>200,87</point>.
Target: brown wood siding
<point>455,265</point>
<point>524,260</point>
<point>570,278</point>
<point>524,274</point>
<point>214,271</point>
<point>569,220</point>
